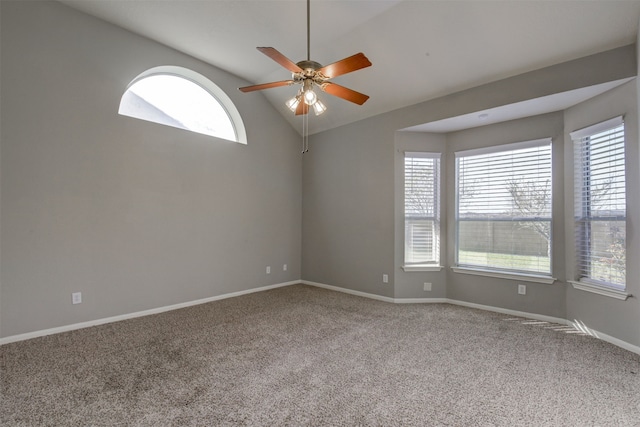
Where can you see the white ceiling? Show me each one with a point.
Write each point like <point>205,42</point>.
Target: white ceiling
<point>532,107</point>
<point>419,49</point>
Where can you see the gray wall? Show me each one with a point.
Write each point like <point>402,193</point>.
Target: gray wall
<point>348,209</point>
<point>351,220</point>
<point>132,214</point>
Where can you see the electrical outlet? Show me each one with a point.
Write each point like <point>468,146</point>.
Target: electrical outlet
<point>385,278</point>
<point>268,269</point>
<point>76,298</point>
<point>427,286</point>
<point>522,289</point>
<point>284,267</point>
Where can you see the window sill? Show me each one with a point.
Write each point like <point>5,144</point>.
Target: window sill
<point>547,280</point>
<point>422,268</point>
<point>600,290</point>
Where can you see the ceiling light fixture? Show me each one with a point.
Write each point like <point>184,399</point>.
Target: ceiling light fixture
<point>319,107</point>
<point>309,97</point>
<point>310,74</point>
<point>293,103</point>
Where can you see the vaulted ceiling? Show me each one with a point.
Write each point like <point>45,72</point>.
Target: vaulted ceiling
<point>420,50</point>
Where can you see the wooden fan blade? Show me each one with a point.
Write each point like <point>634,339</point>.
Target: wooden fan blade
<point>280,59</point>
<point>266,85</point>
<point>345,93</point>
<point>346,65</point>
<point>302,109</point>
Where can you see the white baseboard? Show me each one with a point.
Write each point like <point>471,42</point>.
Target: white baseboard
<point>618,342</point>
<point>348,291</point>
<point>374,296</point>
<point>604,337</point>
<point>420,300</point>
<point>516,313</point>
<point>442,301</point>
<point>611,340</point>
<point>81,325</point>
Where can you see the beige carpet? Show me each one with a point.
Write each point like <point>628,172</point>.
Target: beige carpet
<point>302,356</point>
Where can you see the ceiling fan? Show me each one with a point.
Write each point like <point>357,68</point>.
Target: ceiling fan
<point>309,74</point>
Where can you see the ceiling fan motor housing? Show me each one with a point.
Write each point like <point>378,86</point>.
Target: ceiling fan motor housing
<point>309,67</point>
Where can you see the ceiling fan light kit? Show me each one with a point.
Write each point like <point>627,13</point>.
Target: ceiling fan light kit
<point>292,104</point>
<point>310,74</point>
<point>319,107</point>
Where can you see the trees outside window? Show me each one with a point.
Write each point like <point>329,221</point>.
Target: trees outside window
<point>600,204</point>
<point>503,208</point>
<point>421,209</point>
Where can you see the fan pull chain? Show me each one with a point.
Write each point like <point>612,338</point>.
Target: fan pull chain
<point>305,133</point>
<point>303,136</point>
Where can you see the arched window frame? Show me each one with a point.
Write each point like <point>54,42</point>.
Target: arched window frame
<point>214,90</point>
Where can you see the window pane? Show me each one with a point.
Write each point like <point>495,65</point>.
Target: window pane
<point>421,210</point>
<point>420,236</point>
<point>178,102</point>
<point>600,207</point>
<point>606,262</point>
<point>504,209</point>
<point>507,245</point>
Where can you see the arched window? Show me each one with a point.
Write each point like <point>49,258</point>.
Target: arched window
<point>178,97</point>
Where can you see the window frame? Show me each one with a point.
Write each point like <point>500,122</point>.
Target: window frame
<point>494,270</point>
<point>434,264</point>
<point>583,219</point>
<point>210,87</point>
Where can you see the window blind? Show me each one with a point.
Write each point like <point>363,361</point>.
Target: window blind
<point>421,208</point>
<point>600,203</point>
<point>503,207</point>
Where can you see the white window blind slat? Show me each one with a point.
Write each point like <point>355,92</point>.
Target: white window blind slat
<point>600,204</point>
<point>503,148</point>
<point>597,128</point>
<point>421,208</point>
<point>503,207</point>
